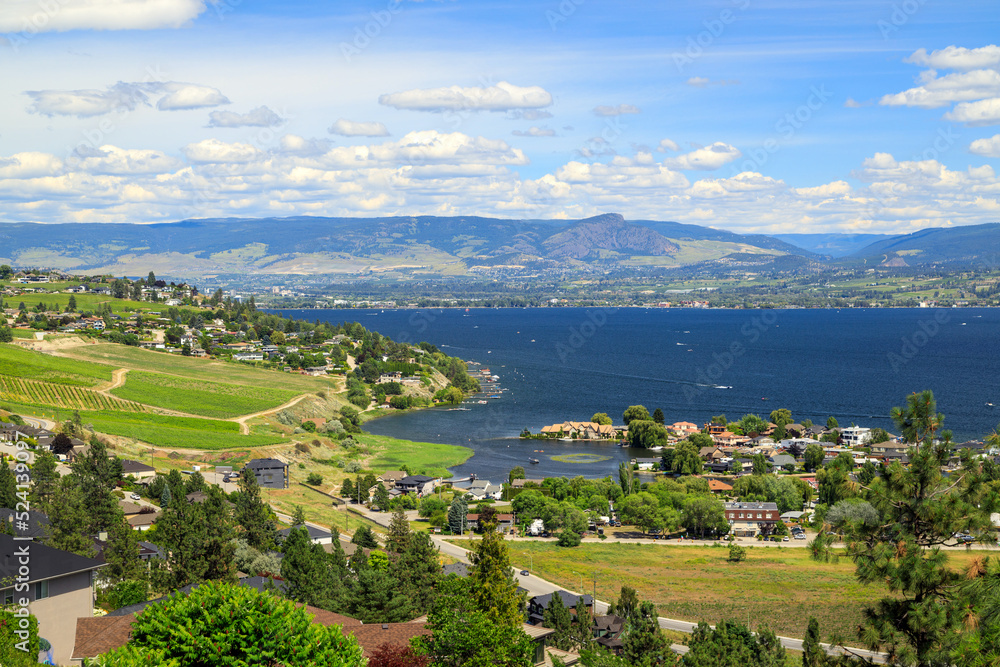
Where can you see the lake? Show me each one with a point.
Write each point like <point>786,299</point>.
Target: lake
<point>559,364</point>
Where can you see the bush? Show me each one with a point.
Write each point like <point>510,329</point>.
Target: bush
<point>314,479</point>
<point>309,426</point>
<point>352,466</point>
<point>737,554</point>
<point>569,538</point>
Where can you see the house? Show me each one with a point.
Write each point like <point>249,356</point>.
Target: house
<point>390,477</point>
<point>138,470</point>
<point>520,483</point>
<point>750,519</point>
<point>418,484</point>
<point>538,604</point>
<point>717,486</point>
<point>711,453</point>
<point>142,520</point>
<point>36,527</point>
<point>792,516</point>
<point>781,460</point>
<point>248,356</point>
<point>316,535</point>
<point>684,429</point>
<point>59,587</point>
<point>607,632</point>
<point>647,463</point>
<point>386,378</point>
<point>729,439</point>
<point>504,522</point>
<point>270,473</point>
<point>482,489</point>
<point>544,653</point>
<point>890,447</point>
<point>855,436</point>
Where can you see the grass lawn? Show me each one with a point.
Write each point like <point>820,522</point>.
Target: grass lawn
<point>199,397</point>
<point>420,457</point>
<point>18,362</point>
<point>179,432</point>
<point>779,587</point>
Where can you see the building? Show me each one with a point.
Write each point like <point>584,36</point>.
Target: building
<point>140,471</point>
<point>316,535</point>
<point>855,436</point>
<point>538,604</point>
<point>752,519</point>
<point>418,484</point>
<point>270,473</point>
<point>582,430</point>
<point>647,463</point>
<point>504,522</point>
<point>58,590</point>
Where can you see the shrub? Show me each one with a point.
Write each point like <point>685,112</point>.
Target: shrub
<point>569,538</point>
<point>737,554</point>
<point>314,479</point>
<point>352,466</point>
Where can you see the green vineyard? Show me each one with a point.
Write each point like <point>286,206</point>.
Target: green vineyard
<point>21,390</point>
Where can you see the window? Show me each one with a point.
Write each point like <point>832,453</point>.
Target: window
<point>741,515</point>
<point>759,515</point>
<point>41,590</point>
<point>7,596</point>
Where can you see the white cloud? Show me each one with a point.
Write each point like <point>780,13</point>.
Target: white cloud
<point>618,110</point>
<point>501,97</point>
<point>350,128</point>
<point>31,16</point>
<point>956,57</point>
<point>535,132</point>
<point>667,145</point>
<point>215,151</point>
<point>30,165</point>
<point>293,144</point>
<point>835,189</point>
<point>976,114</point>
<point>114,160</point>
<point>705,159</point>
<point>989,147</point>
<point>259,117</point>
<point>183,96</point>
<point>956,87</point>
<point>852,103</point>
<point>122,98</point>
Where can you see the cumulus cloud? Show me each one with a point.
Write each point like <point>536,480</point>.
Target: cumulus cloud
<point>528,114</point>
<point>989,147</point>
<point>259,117</point>
<point>293,144</point>
<point>957,58</point>
<point>114,160</point>
<point>500,97</point>
<point>350,128</point>
<point>940,91</point>
<point>976,114</point>
<point>30,16</point>
<point>123,97</point>
<point>212,151</point>
<point>667,145</point>
<point>618,110</point>
<point>705,159</point>
<point>535,132</point>
<point>183,96</point>
<point>852,103</point>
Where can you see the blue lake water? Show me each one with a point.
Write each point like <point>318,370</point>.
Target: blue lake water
<point>562,364</point>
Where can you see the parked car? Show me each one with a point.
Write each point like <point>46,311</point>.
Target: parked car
<point>800,536</point>
<point>525,573</point>
<point>785,538</point>
<point>135,496</point>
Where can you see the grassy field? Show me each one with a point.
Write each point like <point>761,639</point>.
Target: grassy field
<point>179,432</point>
<point>20,363</point>
<point>199,397</point>
<point>21,390</point>
<point>425,457</point>
<point>777,587</point>
<point>121,356</point>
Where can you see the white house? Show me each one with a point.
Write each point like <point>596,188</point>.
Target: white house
<point>855,436</point>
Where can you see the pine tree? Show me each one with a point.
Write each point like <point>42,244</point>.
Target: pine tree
<point>658,416</point>
<point>381,497</point>
<point>306,570</point>
<point>253,515</point>
<point>644,643</point>
<point>69,519</point>
<point>399,531</point>
<point>418,570</point>
<point>166,496</point>
<point>494,588</point>
<point>122,555</point>
<point>376,596</point>
<point>199,541</point>
<point>8,487</point>
<point>364,538</point>
<point>298,516</point>
<point>97,476</point>
<point>813,654</point>
<point>347,490</point>
<point>457,515</point>
<point>558,618</point>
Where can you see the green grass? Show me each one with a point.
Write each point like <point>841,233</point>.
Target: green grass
<point>779,587</point>
<point>179,432</point>
<point>431,458</point>
<point>199,397</point>
<point>18,362</point>
<point>122,356</point>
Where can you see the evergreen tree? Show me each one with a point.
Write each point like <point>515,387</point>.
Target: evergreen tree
<point>347,490</point>
<point>97,476</point>
<point>457,512</point>
<point>644,643</point>
<point>44,478</point>
<point>195,483</point>
<point>122,555</point>
<point>732,644</point>
<point>494,588</point>
<point>199,541</point>
<point>583,633</point>
<point>658,416</point>
<point>166,496</point>
<point>298,516</point>
<point>364,538</point>
<point>8,487</point>
<point>176,483</point>
<point>308,572</point>
<point>558,618</point>
<point>399,531</point>
<point>381,497</point>
<point>418,570</point>
<point>253,515</point>
<point>69,519</point>
<point>376,596</point>
<point>813,654</point>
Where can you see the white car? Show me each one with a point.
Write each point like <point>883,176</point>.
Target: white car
<point>135,496</point>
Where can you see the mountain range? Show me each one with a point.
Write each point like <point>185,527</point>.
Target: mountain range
<point>458,246</point>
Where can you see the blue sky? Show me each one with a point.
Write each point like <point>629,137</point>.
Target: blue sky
<point>739,114</point>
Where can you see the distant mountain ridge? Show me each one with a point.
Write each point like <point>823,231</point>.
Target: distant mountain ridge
<point>461,246</point>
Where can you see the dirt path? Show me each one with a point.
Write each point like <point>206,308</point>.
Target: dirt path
<point>117,380</point>
<point>242,421</point>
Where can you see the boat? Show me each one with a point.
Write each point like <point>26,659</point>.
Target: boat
<point>533,461</point>
<point>566,439</point>
<point>482,402</point>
